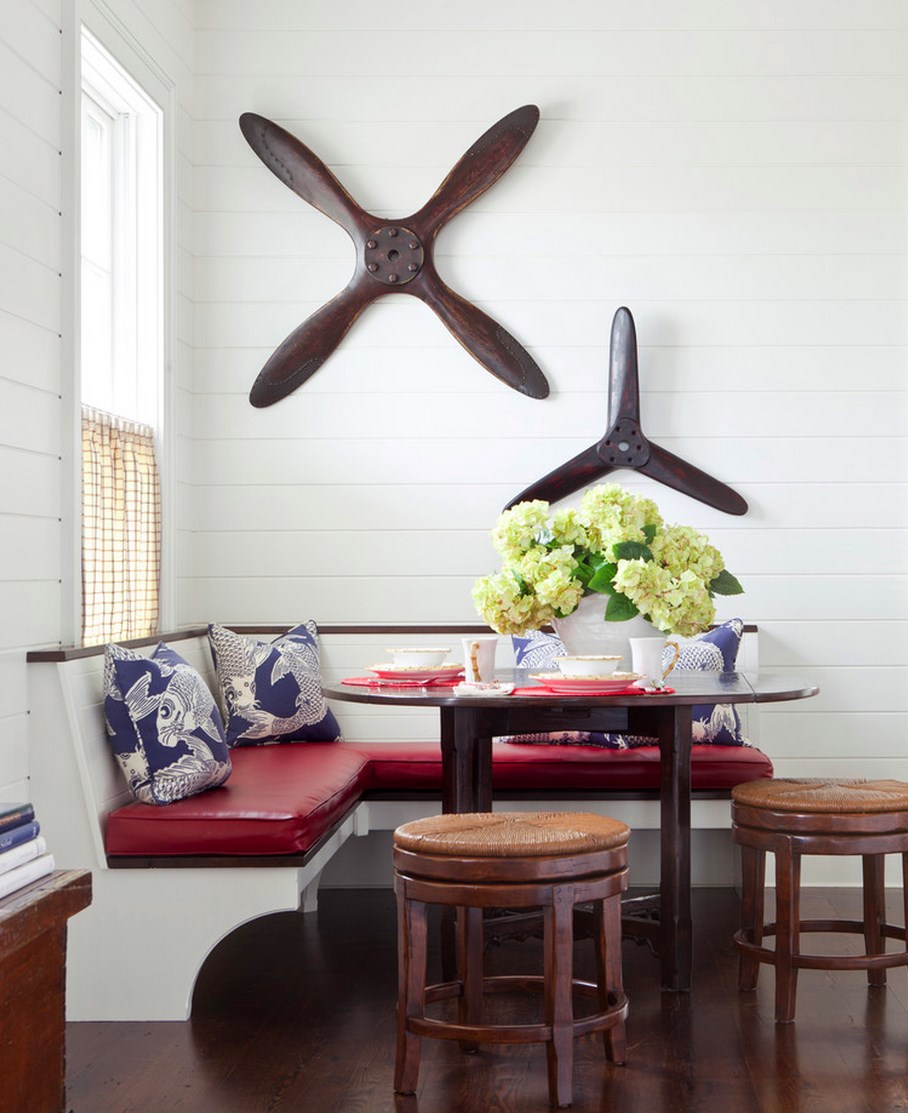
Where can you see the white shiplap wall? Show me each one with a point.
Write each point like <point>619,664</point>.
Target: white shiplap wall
<point>734,173</point>
<point>37,42</point>
<point>30,359</point>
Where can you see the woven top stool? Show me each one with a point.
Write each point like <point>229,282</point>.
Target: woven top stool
<point>791,818</point>
<point>472,862</point>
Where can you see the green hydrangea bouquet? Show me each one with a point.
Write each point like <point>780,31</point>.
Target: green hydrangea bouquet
<point>614,543</point>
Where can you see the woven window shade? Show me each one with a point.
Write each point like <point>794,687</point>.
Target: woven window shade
<point>121,529</point>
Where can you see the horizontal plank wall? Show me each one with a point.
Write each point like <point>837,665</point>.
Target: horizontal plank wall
<point>31,365</point>
<point>36,374</point>
<point>733,173</point>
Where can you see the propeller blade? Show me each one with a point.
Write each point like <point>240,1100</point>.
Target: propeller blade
<point>485,339</point>
<point>565,479</point>
<point>308,346</point>
<point>623,382</point>
<point>481,166</point>
<point>304,172</point>
<point>671,470</point>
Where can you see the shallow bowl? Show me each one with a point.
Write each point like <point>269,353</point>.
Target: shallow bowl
<point>587,665</point>
<point>419,656</point>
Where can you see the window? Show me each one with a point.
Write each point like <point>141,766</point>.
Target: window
<point>121,355</point>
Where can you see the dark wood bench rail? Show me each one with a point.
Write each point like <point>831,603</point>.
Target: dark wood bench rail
<point>73,652</point>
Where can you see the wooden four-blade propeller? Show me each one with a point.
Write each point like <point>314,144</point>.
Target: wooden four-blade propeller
<point>393,256</point>
<point>625,446</point>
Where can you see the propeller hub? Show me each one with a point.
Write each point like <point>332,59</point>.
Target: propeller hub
<point>394,255</point>
<point>624,446</point>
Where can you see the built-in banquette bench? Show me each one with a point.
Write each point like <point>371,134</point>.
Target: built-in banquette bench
<point>171,881</point>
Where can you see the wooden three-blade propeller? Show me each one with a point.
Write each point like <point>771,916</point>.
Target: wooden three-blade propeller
<point>625,446</point>
<point>393,256</point>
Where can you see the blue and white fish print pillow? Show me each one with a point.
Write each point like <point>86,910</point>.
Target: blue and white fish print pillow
<point>272,691</point>
<point>714,651</point>
<point>164,726</point>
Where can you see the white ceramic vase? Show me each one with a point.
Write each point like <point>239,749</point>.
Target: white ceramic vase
<point>585,631</point>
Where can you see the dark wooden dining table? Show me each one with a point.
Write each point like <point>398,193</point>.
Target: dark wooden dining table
<point>470,722</point>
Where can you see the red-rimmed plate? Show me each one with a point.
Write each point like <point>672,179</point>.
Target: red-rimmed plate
<point>585,685</point>
<point>415,672</point>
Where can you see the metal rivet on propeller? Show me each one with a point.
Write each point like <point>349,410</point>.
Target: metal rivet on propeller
<point>397,265</point>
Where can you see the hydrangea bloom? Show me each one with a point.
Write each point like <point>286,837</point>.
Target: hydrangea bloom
<point>615,543</point>
<point>520,527</point>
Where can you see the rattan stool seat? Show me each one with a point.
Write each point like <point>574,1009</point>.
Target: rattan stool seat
<point>512,834</point>
<point>817,795</point>
<point>793,817</point>
<point>511,860</point>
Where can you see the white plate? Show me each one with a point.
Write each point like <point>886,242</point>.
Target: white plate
<point>415,672</point>
<point>590,685</point>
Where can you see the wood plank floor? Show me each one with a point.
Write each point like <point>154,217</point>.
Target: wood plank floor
<point>296,1013</point>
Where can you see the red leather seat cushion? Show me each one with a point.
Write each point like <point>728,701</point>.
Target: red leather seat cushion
<point>416,766</point>
<point>282,799</point>
<point>279,800</point>
<point>542,767</point>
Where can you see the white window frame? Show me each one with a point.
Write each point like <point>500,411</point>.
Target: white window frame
<point>133,122</point>
<point>156,341</point>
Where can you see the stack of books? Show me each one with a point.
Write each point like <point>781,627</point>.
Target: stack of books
<point>23,851</point>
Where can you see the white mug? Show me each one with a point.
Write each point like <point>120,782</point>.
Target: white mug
<point>646,659</point>
<point>479,658</point>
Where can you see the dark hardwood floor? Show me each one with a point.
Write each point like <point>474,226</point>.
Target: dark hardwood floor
<point>296,1013</point>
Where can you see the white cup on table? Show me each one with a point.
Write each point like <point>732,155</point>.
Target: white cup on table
<point>646,660</point>
<point>479,658</point>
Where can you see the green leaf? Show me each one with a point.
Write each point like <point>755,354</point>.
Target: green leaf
<point>584,572</point>
<point>601,580</point>
<point>725,584</point>
<point>632,550</point>
<point>619,608</point>
<point>649,532</point>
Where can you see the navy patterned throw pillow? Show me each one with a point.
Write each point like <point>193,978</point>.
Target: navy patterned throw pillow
<point>164,726</point>
<point>714,651</point>
<point>536,650</point>
<point>272,691</point>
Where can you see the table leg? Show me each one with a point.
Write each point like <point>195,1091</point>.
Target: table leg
<point>676,931</point>
<point>466,754</point>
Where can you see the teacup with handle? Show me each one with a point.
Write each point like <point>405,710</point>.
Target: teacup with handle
<point>646,658</point>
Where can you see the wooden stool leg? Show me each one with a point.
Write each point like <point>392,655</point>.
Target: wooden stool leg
<point>411,987</point>
<point>753,883</point>
<point>469,965</point>
<point>788,937</point>
<point>874,912</point>
<point>558,975</point>
<point>905,896</point>
<point>610,976</point>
